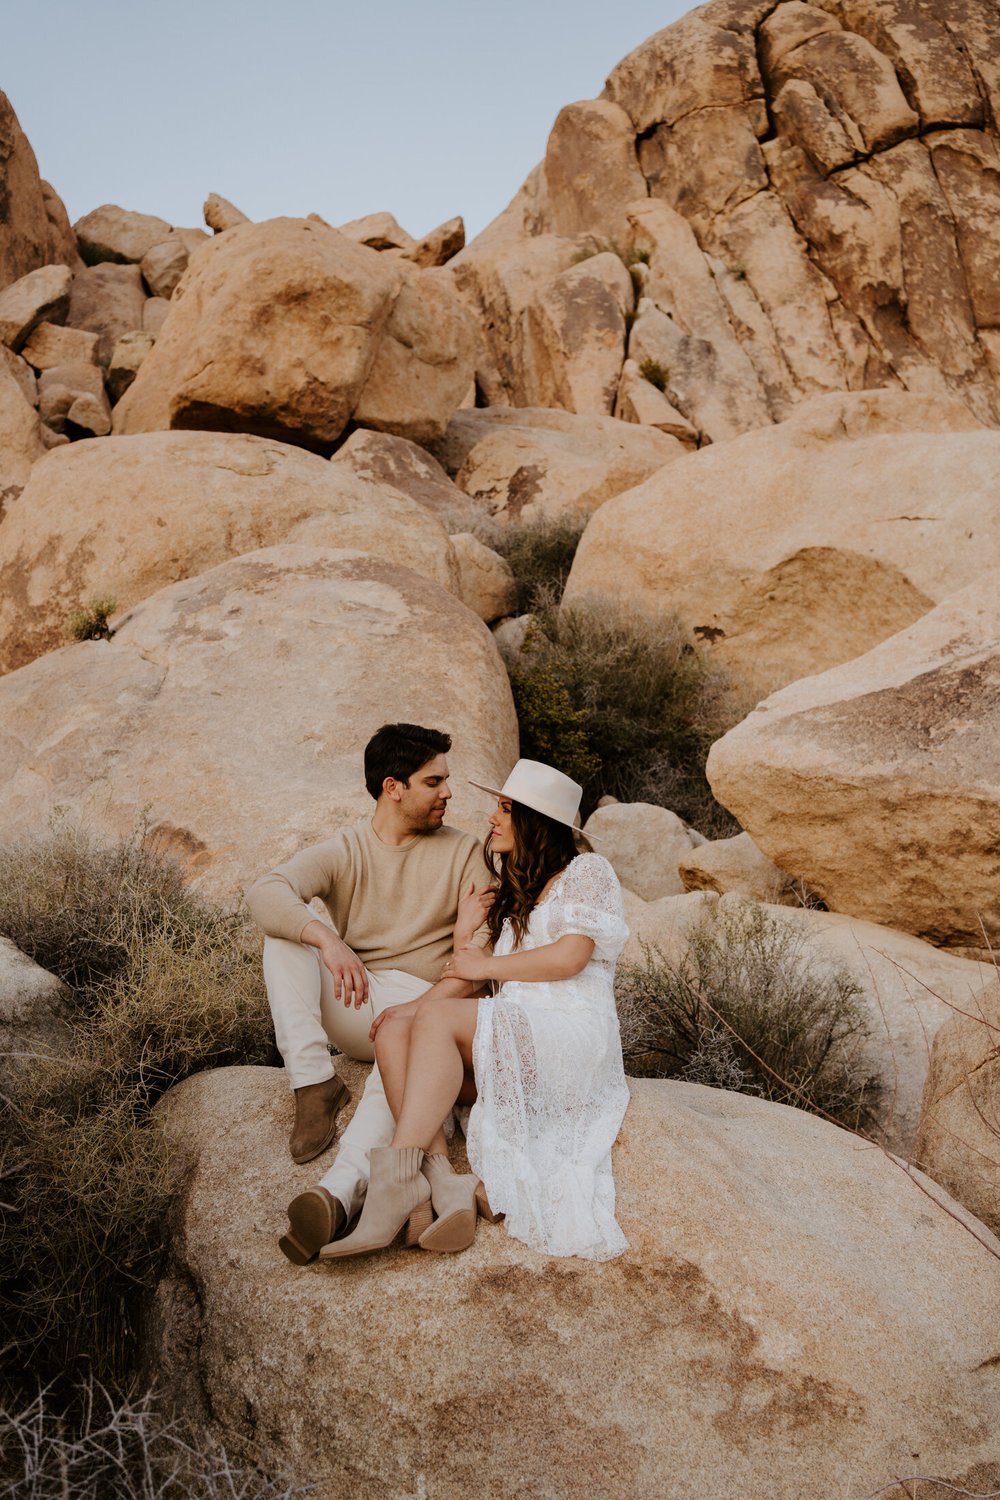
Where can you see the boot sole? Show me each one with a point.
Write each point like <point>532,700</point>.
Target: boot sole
<point>458,1230</point>
<point>408,1234</point>
<point>312,1223</point>
<point>310,1154</point>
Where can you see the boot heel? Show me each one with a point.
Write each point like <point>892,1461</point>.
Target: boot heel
<point>483,1206</point>
<point>419,1221</point>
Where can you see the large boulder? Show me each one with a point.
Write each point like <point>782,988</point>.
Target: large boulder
<point>110,233</point>
<point>526,464</point>
<point>645,844</point>
<point>108,300</point>
<point>958,1143</point>
<point>878,782</point>
<point>20,439</point>
<point>835,172</point>
<point>907,988</point>
<point>794,1316</point>
<point>735,865</point>
<point>385,459</point>
<point>799,546</point>
<point>290,330</point>
<point>40,297</point>
<point>230,711</point>
<point>125,516</point>
<point>32,221</point>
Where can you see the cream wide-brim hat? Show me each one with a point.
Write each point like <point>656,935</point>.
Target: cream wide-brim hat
<point>545,790</point>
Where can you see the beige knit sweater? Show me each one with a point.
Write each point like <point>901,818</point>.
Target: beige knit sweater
<point>395,905</point>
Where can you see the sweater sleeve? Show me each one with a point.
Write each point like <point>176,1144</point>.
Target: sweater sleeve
<point>278,901</point>
<point>474,872</point>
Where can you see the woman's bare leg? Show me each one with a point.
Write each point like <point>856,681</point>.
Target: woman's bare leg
<point>439,1054</point>
<point>392,1049</point>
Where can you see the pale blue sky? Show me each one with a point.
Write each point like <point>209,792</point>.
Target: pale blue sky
<point>335,108</point>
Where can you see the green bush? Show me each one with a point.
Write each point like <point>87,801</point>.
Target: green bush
<point>164,983</point>
<point>91,622</point>
<point>540,553</point>
<point>745,1008</point>
<point>625,706</point>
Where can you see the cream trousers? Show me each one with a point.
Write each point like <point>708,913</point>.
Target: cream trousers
<point>305,1012</point>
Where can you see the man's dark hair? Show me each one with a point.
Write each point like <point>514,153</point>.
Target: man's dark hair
<point>397,750</point>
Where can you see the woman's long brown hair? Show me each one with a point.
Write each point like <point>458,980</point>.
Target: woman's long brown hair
<point>542,848</point>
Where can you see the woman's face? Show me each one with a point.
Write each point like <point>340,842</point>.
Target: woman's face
<point>501,828</point>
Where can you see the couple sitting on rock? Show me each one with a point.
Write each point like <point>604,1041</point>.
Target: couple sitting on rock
<point>484,984</point>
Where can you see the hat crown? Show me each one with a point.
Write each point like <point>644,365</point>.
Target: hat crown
<point>544,789</point>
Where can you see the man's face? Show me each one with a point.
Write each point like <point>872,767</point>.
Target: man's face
<point>424,802</point>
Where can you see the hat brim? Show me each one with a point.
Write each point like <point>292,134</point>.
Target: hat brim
<point>498,791</point>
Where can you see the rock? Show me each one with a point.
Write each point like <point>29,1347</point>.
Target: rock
<point>339,331</point>
<point>35,1011</point>
<point>639,400</point>
<point>154,315</point>
<point>91,415</point>
<point>960,1119</point>
<point>131,514</point>
<point>645,844</point>
<point>110,233</point>
<point>487,584</point>
<point>379,232</point>
<point>908,988</point>
<point>751,1227</point>
<point>80,376</point>
<point>205,712</point>
<point>22,373</point>
<point>50,345</point>
<point>129,353</point>
<point>220,214</point>
<point>877,782</point>
<point>441,245</point>
<point>73,395</point>
<point>793,548</point>
<point>20,440</point>
<point>61,249</point>
<point>509,636</point>
<point>735,865</point>
<point>107,300</point>
<point>40,297</point>
<point>53,439</point>
<point>164,264</point>
<point>191,239</point>
<point>577,323</point>
<point>384,459</point>
<point>528,463</point>
<point>591,172</point>
<point>28,239</point>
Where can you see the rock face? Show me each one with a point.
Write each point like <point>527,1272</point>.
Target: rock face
<point>816,189</point>
<point>799,546</point>
<point>35,1010</point>
<point>108,300</point>
<point>645,844</point>
<point>385,459</point>
<point>959,1139</point>
<point>116,234</point>
<point>231,709</point>
<point>878,782</point>
<point>722,1329</point>
<point>737,865</point>
<point>20,439</point>
<point>528,464</point>
<point>33,229</point>
<point>40,297</point>
<point>288,329</point>
<point>128,515</point>
<point>908,988</point>
<point>486,583</point>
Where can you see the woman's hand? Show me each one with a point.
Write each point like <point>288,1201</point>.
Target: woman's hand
<point>404,1012</point>
<point>473,909</point>
<point>469,962</point>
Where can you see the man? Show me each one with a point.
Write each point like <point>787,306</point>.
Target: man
<point>391,884</point>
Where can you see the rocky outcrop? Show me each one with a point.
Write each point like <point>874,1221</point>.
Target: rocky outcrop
<point>20,438</point>
<point>878,782</point>
<point>230,710</point>
<point>108,300</point>
<point>734,865</point>
<point>127,516</point>
<point>117,234</point>
<point>486,583</point>
<point>528,464</point>
<point>385,459</point>
<point>802,545</point>
<point>958,1143</point>
<point>34,230</point>
<point>817,190</point>
<point>289,330</point>
<point>40,297</point>
<point>645,844</point>
<point>751,1227</point>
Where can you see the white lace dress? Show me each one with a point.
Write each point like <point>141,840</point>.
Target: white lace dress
<point>550,1081</point>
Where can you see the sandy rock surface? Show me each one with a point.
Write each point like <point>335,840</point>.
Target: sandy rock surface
<point>530,463</point>
<point>878,782</point>
<point>801,545</point>
<point>644,844</point>
<point>289,329</point>
<point>231,710</point>
<point>128,515</point>
<point>958,1143</point>
<point>784,1293</point>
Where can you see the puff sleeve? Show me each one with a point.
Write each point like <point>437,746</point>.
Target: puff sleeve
<point>589,903</point>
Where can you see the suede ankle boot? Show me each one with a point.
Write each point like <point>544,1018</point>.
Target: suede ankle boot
<point>398,1196</point>
<point>315,1218</point>
<point>316,1106</point>
<point>458,1198</point>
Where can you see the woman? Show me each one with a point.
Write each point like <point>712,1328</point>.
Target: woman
<point>541,1056</point>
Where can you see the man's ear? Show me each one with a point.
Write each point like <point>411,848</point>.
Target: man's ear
<point>393,789</point>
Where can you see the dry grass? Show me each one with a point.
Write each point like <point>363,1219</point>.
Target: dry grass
<point>745,1009</point>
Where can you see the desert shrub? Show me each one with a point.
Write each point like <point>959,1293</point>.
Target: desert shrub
<point>653,371</point>
<point>165,983</point>
<point>91,622</point>
<point>625,706</point>
<point>119,1448</point>
<point>540,553</point>
<point>745,1008</point>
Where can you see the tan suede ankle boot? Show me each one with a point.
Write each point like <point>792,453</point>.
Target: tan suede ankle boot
<point>316,1106</point>
<point>453,1198</point>
<point>398,1195</point>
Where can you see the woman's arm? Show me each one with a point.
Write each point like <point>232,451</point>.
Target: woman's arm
<point>562,959</point>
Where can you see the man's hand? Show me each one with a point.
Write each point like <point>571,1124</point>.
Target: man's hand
<point>470,963</point>
<point>473,909</point>
<point>350,981</point>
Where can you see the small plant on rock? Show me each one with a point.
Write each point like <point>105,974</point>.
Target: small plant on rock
<point>91,622</point>
<point>654,372</point>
